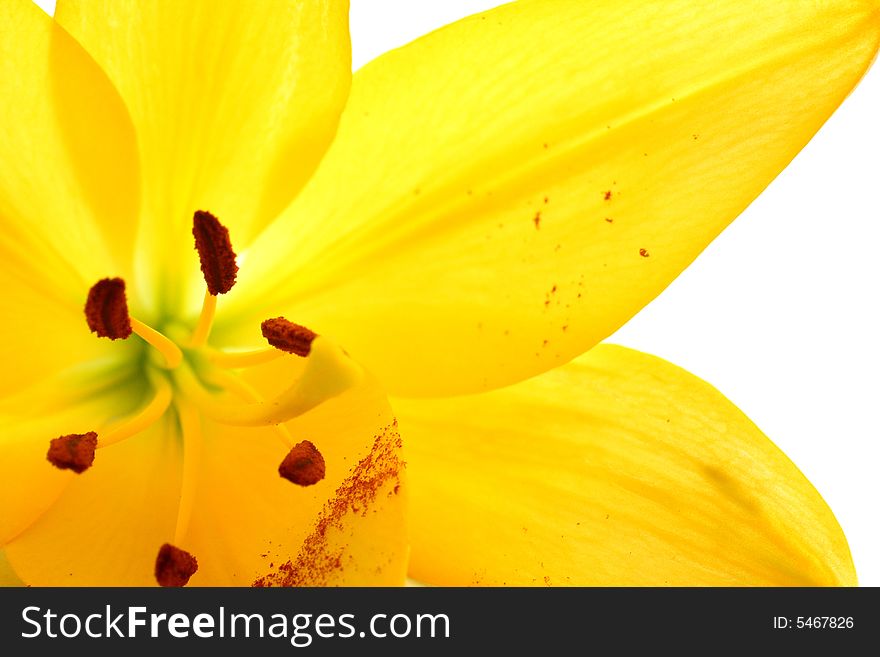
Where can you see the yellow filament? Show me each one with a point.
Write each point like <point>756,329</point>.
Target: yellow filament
<point>170,351</point>
<point>192,451</point>
<point>329,372</point>
<point>206,320</point>
<point>239,360</point>
<point>248,393</point>
<point>143,418</point>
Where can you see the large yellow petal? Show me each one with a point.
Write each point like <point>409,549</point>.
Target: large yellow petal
<point>617,469</point>
<point>505,192</point>
<point>250,525</point>
<point>69,193</point>
<point>234,103</point>
<point>107,527</point>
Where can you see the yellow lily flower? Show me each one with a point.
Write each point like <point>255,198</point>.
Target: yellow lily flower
<point>466,217</point>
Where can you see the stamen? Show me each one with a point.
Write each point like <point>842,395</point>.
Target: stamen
<point>206,319</point>
<point>191,428</point>
<point>174,566</point>
<point>287,336</point>
<point>107,309</point>
<point>215,252</point>
<point>303,465</point>
<point>75,451</point>
<point>170,351</point>
<point>329,372</point>
<point>107,315</point>
<point>242,359</point>
<point>143,418</point>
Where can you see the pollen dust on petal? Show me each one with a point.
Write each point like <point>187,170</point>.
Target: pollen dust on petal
<point>322,556</point>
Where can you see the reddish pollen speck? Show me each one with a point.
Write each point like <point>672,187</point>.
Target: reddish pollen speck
<point>608,195</point>
<point>644,253</point>
<point>75,451</point>
<point>537,220</point>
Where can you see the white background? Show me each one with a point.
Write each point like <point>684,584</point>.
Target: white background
<point>780,312</point>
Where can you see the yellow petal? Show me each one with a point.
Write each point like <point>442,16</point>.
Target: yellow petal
<point>250,525</point>
<point>74,402</point>
<point>69,192</point>
<point>505,192</point>
<point>107,527</point>
<point>234,103</point>
<point>617,469</point>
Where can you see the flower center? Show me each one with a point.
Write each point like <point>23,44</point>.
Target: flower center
<point>190,378</point>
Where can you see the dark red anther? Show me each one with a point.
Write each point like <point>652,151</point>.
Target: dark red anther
<point>303,465</point>
<point>215,252</point>
<point>107,309</point>
<point>75,451</point>
<point>287,336</point>
<point>174,566</point>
